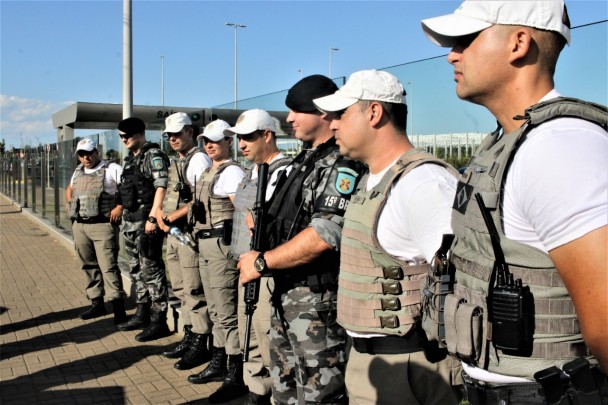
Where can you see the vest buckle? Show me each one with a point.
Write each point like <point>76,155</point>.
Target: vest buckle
<point>390,304</point>
<point>393,272</point>
<point>393,288</point>
<point>391,322</point>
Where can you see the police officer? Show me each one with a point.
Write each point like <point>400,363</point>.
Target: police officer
<point>212,211</point>
<point>144,183</point>
<point>392,228</point>
<point>256,132</point>
<point>550,237</point>
<point>182,260</point>
<point>307,344</point>
<point>95,218</point>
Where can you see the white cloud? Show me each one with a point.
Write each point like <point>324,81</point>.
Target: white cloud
<point>25,121</point>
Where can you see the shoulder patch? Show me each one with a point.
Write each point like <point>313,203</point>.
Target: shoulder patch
<point>346,180</point>
<point>158,163</point>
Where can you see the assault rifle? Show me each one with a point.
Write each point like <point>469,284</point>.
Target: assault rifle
<point>259,242</point>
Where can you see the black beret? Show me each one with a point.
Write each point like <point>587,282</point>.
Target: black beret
<point>131,126</point>
<point>299,97</point>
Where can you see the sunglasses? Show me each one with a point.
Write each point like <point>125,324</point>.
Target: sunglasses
<point>126,136</point>
<point>249,137</point>
<point>83,153</point>
<point>174,134</point>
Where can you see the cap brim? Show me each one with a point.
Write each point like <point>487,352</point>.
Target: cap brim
<point>238,130</point>
<point>334,102</point>
<point>445,30</point>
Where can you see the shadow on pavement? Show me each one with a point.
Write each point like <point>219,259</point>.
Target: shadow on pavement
<point>33,388</point>
<point>81,334</point>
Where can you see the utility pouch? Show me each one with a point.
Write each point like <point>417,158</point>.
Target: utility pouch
<point>185,193</point>
<point>147,246</point>
<point>437,285</point>
<point>73,208</point>
<point>227,238</point>
<point>128,195</point>
<point>469,324</point>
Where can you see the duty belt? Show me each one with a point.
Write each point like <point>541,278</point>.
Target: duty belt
<point>209,233</point>
<point>388,344</point>
<point>94,220</point>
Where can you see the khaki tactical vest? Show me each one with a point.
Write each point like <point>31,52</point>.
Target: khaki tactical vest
<point>172,199</point>
<point>244,201</point>
<point>378,292</point>
<point>214,210</point>
<point>557,337</point>
<point>89,200</point>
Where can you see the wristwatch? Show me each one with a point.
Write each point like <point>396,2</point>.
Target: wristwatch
<point>151,220</point>
<point>260,264</point>
<point>166,221</point>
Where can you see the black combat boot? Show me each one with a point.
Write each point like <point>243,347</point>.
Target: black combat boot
<point>233,386</point>
<point>96,309</point>
<point>256,399</point>
<point>118,307</point>
<point>196,355</point>
<point>214,371</point>
<point>140,320</point>
<point>157,329</point>
<point>182,347</point>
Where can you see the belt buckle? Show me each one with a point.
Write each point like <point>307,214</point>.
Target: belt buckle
<point>390,304</point>
<point>390,322</point>
<point>393,272</point>
<point>392,288</point>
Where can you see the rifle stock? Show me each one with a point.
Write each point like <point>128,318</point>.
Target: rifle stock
<point>259,242</point>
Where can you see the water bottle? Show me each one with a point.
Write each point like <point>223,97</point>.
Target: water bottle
<point>182,237</point>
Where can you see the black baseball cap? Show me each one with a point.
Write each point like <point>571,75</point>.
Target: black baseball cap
<point>299,97</point>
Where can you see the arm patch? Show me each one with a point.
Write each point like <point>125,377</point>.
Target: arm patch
<point>342,182</point>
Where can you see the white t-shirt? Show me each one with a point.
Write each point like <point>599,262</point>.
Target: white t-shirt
<point>198,164</point>
<point>417,213</point>
<point>272,182</point>
<point>556,191</point>
<point>228,181</point>
<point>111,177</point>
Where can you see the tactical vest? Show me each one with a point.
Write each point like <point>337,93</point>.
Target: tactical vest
<point>244,201</point>
<point>557,337</point>
<point>136,190</point>
<point>179,188</point>
<point>287,219</point>
<point>89,200</point>
<point>378,292</point>
<point>215,209</point>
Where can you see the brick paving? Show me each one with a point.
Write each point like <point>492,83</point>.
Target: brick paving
<point>48,355</point>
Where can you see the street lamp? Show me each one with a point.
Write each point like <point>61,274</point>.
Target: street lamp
<point>330,52</point>
<point>236,83</point>
<point>162,80</point>
<point>301,73</point>
<point>411,108</point>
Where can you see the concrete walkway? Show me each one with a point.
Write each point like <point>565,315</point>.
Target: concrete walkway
<point>48,355</point>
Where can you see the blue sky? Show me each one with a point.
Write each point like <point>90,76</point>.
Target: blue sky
<point>54,53</point>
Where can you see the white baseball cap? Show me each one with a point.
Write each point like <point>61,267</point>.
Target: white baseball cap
<point>251,121</point>
<point>86,145</point>
<point>476,15</point>
<point>175,122</point>
<point>214,131</point>
<point>374,85</point>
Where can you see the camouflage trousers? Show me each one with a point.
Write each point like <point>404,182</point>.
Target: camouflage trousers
<point>147,269</point>
<point>307,349</point>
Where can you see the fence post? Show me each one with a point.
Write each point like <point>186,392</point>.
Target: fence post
<point>56,187</point>
<point>34,184</point>
<point>43,174</point>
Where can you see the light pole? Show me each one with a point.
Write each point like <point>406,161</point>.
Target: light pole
<point>301,73</point>
<point>411,108</point>
<point>162,80</point>
<point>330,52</point>
<point>236,82</point>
